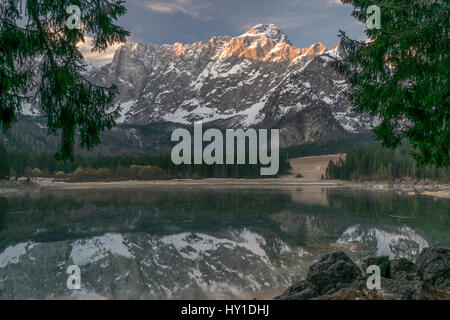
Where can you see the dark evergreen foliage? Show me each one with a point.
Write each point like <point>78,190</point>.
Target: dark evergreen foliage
<point>4,162</point>
<point>38,50</point>
<point>401,74</point>
<point>373,162</point>
<point>23,163</point>
<point>331,147</point>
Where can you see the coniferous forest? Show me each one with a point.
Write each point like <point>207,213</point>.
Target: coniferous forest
<point>16,163</point>
<point>373,162</point>
<point>367,160</point>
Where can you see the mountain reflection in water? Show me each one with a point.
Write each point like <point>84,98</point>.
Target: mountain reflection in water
<point>197,243</point>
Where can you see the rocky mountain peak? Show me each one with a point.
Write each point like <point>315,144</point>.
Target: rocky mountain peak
<point>316,49</point>
<point>256,79</point>
<point>337,50</point>
<point>269,31</point>
<point>263,42</point>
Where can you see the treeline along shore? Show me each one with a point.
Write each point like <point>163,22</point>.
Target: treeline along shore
<point>15,163</point>
<point>20,163</point>
<point>372,162</point>
<point>364,160</point>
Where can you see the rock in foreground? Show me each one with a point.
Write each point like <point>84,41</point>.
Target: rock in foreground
<point>336,277</point>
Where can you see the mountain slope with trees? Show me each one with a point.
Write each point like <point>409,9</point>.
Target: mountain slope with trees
<point>373,162</point>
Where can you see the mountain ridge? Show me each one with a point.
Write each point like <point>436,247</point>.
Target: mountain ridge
<point>257,79</point>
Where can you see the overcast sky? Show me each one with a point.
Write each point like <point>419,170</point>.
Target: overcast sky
<point>186,21</point>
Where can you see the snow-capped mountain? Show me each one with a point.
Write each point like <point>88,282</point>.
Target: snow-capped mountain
<point>402,242</point>
<point>238,264</point>
<point>142,266</point>
<point>258,79</point>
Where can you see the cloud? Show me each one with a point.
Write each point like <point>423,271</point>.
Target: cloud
<point>194,8</point>
<point>287,22</point>
<point>303,15</point>
<point>99,58</point>
<point>334,2</point>
<point>187,21</point>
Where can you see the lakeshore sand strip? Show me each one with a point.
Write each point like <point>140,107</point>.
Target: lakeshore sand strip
<point>440,194</point>
<point>311,168</point>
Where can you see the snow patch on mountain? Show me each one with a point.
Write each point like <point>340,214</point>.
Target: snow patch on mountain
<point>29,110</point>
<point>193,246</point>
<point>269,31</point>
<point>254,79</point>
<point>12,254</point>
<point>126,107</point>
<point>89,251</point>
<point>403,242</point>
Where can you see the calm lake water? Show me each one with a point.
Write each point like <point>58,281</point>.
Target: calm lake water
<point>198,243</point>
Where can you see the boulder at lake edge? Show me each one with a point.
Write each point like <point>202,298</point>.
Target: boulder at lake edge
<point>335,276</point>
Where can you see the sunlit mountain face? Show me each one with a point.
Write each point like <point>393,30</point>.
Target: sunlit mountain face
<point>198,243</point>
<point>229,80</point>
<point>255,80</point>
